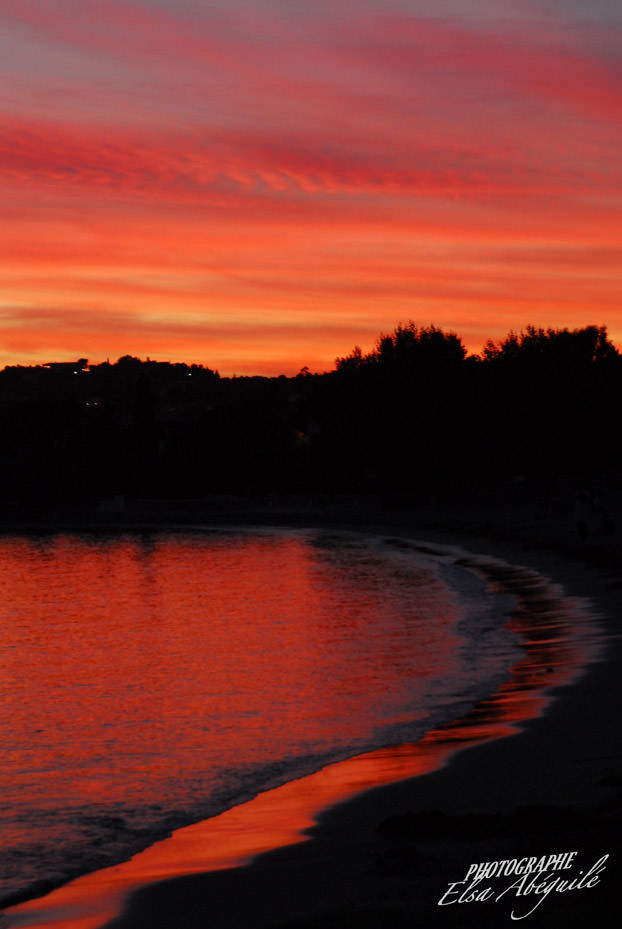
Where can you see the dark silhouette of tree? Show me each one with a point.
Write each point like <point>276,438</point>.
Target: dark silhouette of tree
<point>554,347</point>
<point>407,347</point>
<point>411,418</point>
<point>551,389</point>
<point>394,413</point>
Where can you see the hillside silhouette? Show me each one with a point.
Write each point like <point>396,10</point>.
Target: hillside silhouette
<point>415,418</point>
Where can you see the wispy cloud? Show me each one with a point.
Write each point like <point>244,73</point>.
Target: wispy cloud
<point>243,164</point>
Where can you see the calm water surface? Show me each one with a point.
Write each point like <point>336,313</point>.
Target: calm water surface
<point>151,681</point>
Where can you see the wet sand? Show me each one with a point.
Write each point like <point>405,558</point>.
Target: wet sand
<point>386,857</point>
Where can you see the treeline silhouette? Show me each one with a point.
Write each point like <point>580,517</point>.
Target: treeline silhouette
<point>416,418</point>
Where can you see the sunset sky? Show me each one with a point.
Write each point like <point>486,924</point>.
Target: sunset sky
<point>258,185</point>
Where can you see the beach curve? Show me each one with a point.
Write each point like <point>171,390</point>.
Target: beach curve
<point>297,804</point>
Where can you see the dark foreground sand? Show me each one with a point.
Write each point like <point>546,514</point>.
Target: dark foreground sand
<point>386,857</point>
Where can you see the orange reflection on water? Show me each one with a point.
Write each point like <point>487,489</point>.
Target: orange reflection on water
<point>155,663</point>
<point>554,638</point>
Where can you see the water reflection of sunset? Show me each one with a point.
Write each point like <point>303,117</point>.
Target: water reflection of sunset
<point>171,676</point>
<point>170,636</point>
<point>556,640</point>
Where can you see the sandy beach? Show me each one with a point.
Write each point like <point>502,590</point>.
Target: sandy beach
<point>388,856</point>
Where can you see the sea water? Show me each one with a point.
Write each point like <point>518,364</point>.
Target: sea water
<point>150,681</point>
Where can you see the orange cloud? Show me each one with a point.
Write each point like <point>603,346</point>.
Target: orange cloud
<point>260,187</point>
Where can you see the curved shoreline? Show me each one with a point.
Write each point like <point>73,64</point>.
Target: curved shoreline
<point>475,683</point>
<point>523,698</point>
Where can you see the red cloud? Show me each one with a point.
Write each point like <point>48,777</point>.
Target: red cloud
<point>342,176</point>
<point>234,167</point>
